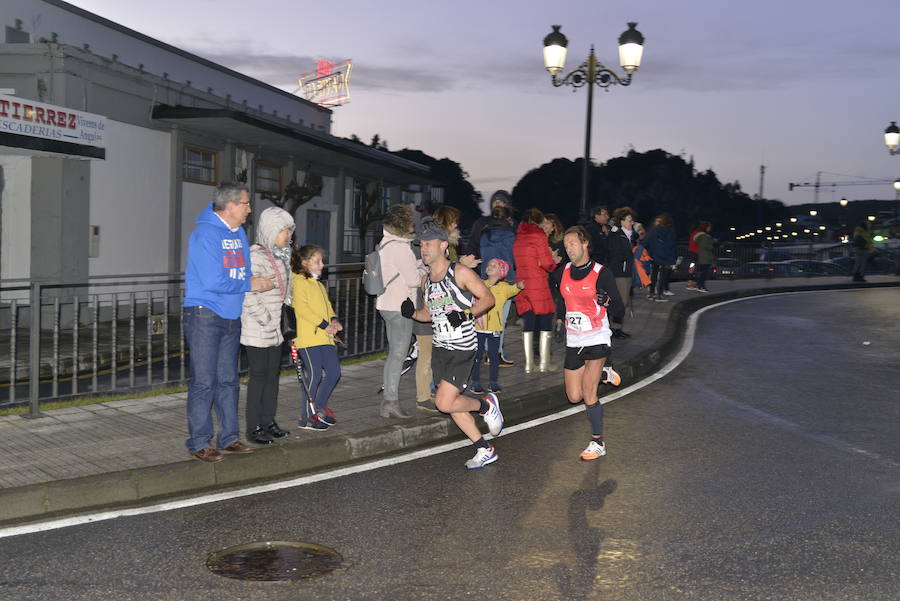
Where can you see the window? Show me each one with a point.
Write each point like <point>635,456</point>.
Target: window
<point>200,166</point>
<point>268,178</point>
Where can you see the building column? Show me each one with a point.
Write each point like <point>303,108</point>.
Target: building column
<point>176,188</point>
<point>60,219</point>
<point>340,201</point>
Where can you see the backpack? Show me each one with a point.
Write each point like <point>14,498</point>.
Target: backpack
<point>497,243</point>
<point>373,282</point>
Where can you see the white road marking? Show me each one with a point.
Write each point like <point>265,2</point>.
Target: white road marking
<point>686,347</point>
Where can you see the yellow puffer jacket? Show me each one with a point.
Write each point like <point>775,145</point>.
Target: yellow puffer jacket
<point>312,307</point>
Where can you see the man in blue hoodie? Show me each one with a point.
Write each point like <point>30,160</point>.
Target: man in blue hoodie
<point>217,276</point>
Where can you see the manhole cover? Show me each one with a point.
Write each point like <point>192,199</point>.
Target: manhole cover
<point>275,560</point>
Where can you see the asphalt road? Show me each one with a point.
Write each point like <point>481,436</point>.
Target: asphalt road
<point>764,467</point>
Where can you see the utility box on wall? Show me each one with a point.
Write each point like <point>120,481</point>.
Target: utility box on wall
<point>94,242</point>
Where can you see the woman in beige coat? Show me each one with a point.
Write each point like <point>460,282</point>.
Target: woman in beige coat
<point>261,323</point>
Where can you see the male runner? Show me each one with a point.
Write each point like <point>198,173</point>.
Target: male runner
<point>589,291</point>
<point>449,291</point>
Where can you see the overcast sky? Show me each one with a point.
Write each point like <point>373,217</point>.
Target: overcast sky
<point>797,85</point>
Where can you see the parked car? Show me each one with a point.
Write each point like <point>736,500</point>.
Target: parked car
<point>726,268</point>
<point>818,267</point>
<point>765,269</point>
<point>875,265</point>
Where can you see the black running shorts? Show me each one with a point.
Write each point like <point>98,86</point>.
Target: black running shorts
<point>577,355</point>
<point>454,367</point>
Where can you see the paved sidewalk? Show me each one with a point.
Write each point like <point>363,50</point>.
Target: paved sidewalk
<point>127,451</point>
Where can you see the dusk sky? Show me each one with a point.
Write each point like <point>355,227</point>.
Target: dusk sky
<point>798,85</point>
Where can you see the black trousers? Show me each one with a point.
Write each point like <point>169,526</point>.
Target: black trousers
<point>262,389</point>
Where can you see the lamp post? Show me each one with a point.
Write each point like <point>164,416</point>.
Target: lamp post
<point>591,73</point>
<point>896,195</point>
<point>892,138</point>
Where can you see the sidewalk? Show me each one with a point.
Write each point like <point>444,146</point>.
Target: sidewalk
<point>127,451</point>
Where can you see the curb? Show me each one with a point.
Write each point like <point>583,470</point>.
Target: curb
<point>139,485</point>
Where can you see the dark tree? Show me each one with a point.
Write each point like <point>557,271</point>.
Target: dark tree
<point>651,183</point>
<point>458,191</point>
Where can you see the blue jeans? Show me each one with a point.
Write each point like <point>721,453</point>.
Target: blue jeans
<point>487,342</point>
<point>702,274</point>
<point>214,343</point>
<point>321,371</point>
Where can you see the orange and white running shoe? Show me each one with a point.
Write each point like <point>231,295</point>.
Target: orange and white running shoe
<point>610,376</point>
<point>594,450</point>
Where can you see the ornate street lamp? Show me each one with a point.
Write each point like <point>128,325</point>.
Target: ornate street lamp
<point>591,73</point>
<point>843,202</point>
<point>892,138</point>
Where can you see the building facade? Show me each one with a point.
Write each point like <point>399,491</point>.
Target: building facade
<point>111,142</point>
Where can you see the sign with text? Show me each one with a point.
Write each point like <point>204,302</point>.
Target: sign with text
<point>329,84</point>
<point>50,122</point>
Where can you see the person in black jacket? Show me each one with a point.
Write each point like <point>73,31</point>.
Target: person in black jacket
<point>598,229</point>
<point>620,259</point>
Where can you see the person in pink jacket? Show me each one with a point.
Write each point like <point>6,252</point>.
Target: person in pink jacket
<point>401,275</point>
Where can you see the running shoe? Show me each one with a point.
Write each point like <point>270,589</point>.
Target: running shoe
<point>668,293</point>
<point>313,423</point>
<point>593,451</point>
<point>494,387</point>
<point>504,362</point>
<point>611,376</point>
<point>327,415</point>
<point>476,388</point>
<point>492,417</point>
<point>702,290</point>
<point>482,458</point>
<point>660,299</point>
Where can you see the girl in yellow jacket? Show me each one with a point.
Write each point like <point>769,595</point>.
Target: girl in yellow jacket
<point>314,350</point>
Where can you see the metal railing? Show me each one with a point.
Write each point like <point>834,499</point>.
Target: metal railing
<point>126,333</point>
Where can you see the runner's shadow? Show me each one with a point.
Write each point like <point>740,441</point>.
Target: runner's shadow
<point>575,581</point>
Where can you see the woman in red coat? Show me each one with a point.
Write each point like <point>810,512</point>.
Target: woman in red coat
<point>535,305</point>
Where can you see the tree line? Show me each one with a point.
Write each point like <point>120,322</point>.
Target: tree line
<point>651,183</point>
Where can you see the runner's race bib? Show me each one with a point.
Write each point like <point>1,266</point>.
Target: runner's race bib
<point>577,321</point>
<point>443,331</point>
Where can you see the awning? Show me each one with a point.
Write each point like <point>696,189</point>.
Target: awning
<point>324,151</point>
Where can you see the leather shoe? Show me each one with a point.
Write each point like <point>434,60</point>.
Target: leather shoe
<point>237,447</point>
<point>274,430</point>
<point>208,455</point>
<point>259,436</point>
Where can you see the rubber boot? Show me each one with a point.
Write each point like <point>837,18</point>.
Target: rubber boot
<point>528,343</point>
<point>544,345</point>
<point>392,409</point>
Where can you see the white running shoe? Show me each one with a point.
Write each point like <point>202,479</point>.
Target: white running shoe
<point>593,451</point>
<point>482,458</point>
<point>611,376</point>
<point>492,417</point>
<point>668,293</point>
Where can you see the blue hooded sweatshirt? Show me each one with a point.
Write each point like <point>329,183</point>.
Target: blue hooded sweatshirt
<point>218,268</point>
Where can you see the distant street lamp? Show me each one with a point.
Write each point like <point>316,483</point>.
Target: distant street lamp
<point>897,205</point>
<point>590,73</point>
<point>892,138</point>
<point>871,217</point>
<point>813,212</point>
<point>843,202</point>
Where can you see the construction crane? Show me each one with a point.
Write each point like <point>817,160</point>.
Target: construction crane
<point>818,184</point>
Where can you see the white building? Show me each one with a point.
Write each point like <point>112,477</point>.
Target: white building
<point>111,143</point>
